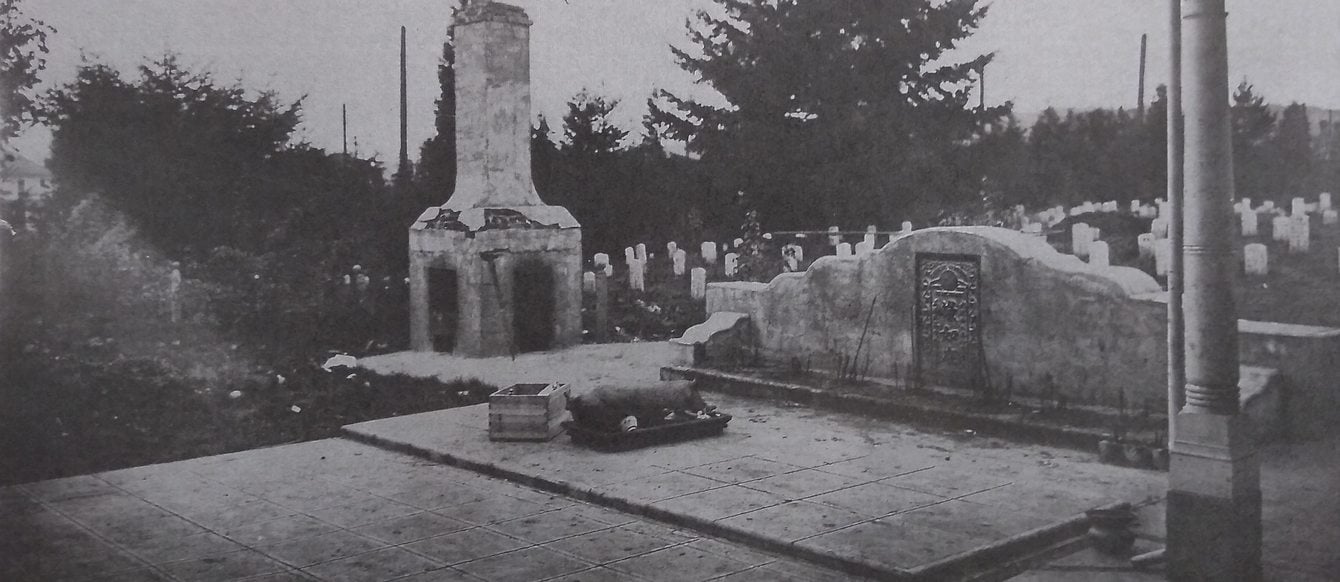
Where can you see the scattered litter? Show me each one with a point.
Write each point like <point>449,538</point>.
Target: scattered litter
<point>351,376</point>
<point>338,360</point>
<point>235,394</point>
<point>295,408</point>
<point>280,379</point>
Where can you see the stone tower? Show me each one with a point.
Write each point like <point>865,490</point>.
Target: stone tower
<point>495,270</point>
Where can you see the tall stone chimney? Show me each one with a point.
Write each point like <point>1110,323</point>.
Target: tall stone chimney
<point>494,270</point>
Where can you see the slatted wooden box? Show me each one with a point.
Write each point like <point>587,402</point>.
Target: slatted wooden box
<point>528,412</point>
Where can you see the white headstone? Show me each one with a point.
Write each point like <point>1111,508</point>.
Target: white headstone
<point>1135,207</point>
<point>1300,234</point>
<point>1268,205</point>
<point>1329,217</point>
<point>864,246</point>
<point>1098,254</point>
<point>1162,256</point>
<point>698,283</point>
<point>709,252</point>
<point>1159,226</point>
<point>670,248</point>
<point>1080,237</point>
<point>637,275</point>
<point>844,249</point>
<point>1111,206</point>
<point>1251,221</point>
<point>600,260</point>
<point>640,252</point>
<point>1246,204</point>
<point>588,282</point>
<point>1255,259</point>
<point>834,239</point>
<point>869,240</point>
<point>1298,206</point>
<point>1034,228</point>
<point>737,243</point>
<point>1279,228</point>
<point>680,259</point>
<point>907,226</point>
<point>1324,201</point>
<point>1145,243</point>
<point>729,264</point>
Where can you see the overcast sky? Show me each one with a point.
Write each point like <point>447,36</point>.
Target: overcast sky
<point>1064,53</point>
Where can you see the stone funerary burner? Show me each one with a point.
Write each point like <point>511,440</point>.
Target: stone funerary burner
<point>495,270</point>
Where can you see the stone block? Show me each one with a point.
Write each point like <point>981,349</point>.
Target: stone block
<point>1255,258</point>
<point>1081,235</point>
<point>844,250</point>
<point>698,283</point>
<point>1250,222</point>
<point>1098,254</point>
<point>709,252</point>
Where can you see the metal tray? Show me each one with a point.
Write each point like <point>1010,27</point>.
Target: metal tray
<point>670,432</point>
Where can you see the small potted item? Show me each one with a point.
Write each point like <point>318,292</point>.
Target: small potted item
<point>1110,529</point>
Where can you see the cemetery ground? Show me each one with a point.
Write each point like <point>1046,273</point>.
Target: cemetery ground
<point>787,493</point>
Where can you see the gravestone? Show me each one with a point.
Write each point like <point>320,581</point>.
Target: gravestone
<point>1255,259</point>
<point>629,255</point>
<point>844,250</point>
<point>1300,234</point>
<point>1329,217</point>
<point>588,282</point>
<point>637,275</point>
<point>730,264</point>
<point>1033,228</point>
<point>1145,245</point>
<point>1080,237</point>
<point>698,283</point>
<point>1280,229</point>
<point>709,252</point>
<point>907,226</point>
<point>1162,256</point>
<point>1098,254</point>
<point>1250,222</point>
<point>670,248</point>
<point>1298,206</point>
<point>1324,201</point>
<point>680,259</point>
<point>1159,227</point>
<point>641,252</point>
<point>864,247</point>
<point>833,237</point>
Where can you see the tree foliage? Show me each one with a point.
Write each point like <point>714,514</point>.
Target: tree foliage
<point>23,49</point>
<point>846,110</point>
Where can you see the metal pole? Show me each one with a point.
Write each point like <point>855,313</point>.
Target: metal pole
<point>1144,42</point>
<point>1176,335</point>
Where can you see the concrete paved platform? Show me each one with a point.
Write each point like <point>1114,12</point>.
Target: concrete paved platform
<point>847,491</point>
<point>342,511</point>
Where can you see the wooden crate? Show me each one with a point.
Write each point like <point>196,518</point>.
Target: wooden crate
<point>529,412</point>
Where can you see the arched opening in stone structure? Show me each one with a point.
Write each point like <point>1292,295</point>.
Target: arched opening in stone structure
<point>443,310</point>
<point>533,300</point>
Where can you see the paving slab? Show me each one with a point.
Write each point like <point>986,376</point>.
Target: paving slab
<point>347,512</point>
<point>808,483</point>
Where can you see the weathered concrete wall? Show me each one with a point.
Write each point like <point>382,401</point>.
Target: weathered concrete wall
<point>1308,358</point>
<point>484,310</point>
<point>1047,319</point>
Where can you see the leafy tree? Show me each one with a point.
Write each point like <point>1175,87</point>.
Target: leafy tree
<point>23,46</point>
<point>841,111</point>
<point>1254,170</point>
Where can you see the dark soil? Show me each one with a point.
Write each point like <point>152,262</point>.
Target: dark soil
<point>73,414</point>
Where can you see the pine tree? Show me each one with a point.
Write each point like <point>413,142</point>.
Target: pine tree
<point>436,171</point>
<point>1293,142</point>
<point>23,42</point>
<point>1254,172</point>
<point>841,111</point>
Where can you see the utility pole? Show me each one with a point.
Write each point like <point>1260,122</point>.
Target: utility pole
<point>403,171</point>
<point>344,124</point>
<point>981,88</point>
<point>1144,42</point>
<point>1214,483</point>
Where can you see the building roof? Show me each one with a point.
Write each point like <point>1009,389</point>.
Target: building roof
<point>17,167</point>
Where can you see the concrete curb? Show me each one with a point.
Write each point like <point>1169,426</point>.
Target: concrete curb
<point>939,417</point>
<point>959,566</point>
